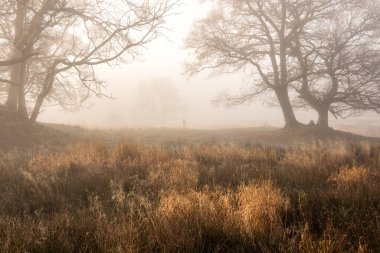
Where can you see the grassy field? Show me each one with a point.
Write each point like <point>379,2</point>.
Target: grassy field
<point>191,191</point>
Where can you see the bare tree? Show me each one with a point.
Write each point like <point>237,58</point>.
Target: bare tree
<point>159,101</point>
<point>339,58</point>
<point>62,42</point>
<point>254,36</point>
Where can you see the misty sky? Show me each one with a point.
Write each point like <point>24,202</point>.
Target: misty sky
<point>164,59</point>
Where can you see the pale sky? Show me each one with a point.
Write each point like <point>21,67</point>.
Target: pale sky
<point>164,58</point>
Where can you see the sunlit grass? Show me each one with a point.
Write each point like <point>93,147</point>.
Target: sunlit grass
<point>201,198</point>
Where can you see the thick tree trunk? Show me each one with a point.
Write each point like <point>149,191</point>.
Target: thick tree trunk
<point>286,107</point>
<point>17,77</point>
<point>323,117</point>
<point>22,110</point>
<point>12,97</point>
<point>21,103</point>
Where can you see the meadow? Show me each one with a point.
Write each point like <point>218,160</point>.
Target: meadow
<point>213,196</point>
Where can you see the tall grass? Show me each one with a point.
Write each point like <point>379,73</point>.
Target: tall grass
<point>201,198</point>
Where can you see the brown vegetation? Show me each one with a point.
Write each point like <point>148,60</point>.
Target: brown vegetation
<point>193,198</point>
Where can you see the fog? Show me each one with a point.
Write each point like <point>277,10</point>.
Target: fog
<point>164,60</point>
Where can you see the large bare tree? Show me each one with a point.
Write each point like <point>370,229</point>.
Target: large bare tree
<point>339,58</point>
<point>254,36</point>
<point>60,42</point>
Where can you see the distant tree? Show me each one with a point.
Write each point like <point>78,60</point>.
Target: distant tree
<point>254,36</point>
<point>159,101</point>
<point>61,41</point>
<point>339,58</point>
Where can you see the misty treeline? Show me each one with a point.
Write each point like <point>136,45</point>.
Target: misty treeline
<point>50,48</point>
<point>321,54</point>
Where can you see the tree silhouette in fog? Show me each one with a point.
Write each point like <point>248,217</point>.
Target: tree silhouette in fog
<point>158,101</point>
<point>53,46</point>
<point>339,57</point>
<point>294,46</point>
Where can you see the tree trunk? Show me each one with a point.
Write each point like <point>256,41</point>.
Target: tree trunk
<point>21,103</point>
<point>22,110</point>
<point>18,70</point>
<point>286,107</point>
<point>36,109</point>
<point>323,117</point>
<point>48,84</point>
<point>12,95</point>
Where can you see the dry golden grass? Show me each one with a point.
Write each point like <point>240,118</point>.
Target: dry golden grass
<point>192,198</point>
<point>260,209</point>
